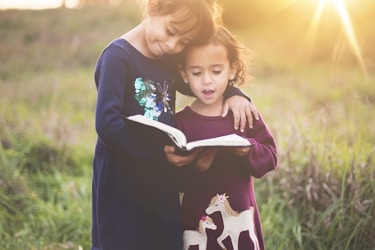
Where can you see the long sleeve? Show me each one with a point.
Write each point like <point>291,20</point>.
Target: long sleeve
<point>115,83</point>
<point>232,91</point>
<point>111,77</point>
<point>262,157</point>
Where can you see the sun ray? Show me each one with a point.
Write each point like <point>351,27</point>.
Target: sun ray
<point>349,32</point>
<point>316,19</point>
<point>311,34</point>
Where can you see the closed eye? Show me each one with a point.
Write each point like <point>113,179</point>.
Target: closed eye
<point>170,32</point>
<point>184,43</point>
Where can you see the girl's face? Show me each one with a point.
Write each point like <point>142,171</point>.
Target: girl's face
<point>207,70</point>
<point>167,34</point>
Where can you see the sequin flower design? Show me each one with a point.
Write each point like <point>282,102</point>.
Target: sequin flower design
<point>153,97</point>
<point>222,198</point>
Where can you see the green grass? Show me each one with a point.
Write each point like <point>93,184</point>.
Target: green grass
<point>321,113</point>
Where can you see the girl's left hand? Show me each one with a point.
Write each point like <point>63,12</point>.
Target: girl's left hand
<point>205,158</point>
<point>239,151</point>
<point>176,159</point>
<point>242,110</point>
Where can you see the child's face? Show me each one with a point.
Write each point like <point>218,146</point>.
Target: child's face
<point>207,70</point>
<point>167,34</point>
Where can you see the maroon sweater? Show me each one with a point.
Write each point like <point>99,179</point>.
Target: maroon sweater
<point>228,174</point>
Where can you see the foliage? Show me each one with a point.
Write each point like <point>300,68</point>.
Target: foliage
<point>320,111</point>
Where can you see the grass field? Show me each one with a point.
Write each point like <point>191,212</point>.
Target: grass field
<point>315,97</point>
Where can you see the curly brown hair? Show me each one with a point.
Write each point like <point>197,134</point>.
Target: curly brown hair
<point>238,54</point>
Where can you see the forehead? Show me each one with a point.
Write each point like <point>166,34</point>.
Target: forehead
<point>206,55</point>
<point>184,22</point>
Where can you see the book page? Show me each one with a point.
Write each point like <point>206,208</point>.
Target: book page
<point>232,140</point>
<point>176,135</point>
<point>179,138</point>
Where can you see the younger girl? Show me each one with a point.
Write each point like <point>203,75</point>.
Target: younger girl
<point>135,189</point>
<point>220,182</point>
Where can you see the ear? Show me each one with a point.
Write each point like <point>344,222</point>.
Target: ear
<point>183,74</point>
<point>233,70</point>
<point>152,7</point>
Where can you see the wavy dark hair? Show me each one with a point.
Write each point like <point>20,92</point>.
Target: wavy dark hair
<point>237,53</point>
<point>206,14</point>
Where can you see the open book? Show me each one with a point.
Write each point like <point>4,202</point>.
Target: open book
<point>179,138</point>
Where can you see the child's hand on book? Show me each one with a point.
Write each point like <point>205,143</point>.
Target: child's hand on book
<point>177,159</point>
<point>205,158</point>
<point>239,151</point>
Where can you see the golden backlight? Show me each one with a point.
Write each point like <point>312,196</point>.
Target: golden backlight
<point>343,13</point>
<point>349,31</point>
<point>340,7</point>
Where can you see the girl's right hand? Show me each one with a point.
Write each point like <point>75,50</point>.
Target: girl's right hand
<point>177,159</point>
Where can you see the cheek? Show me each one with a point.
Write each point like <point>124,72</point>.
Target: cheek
<point>178,49</point>
<point>148,35</point>
<point>194,85</point>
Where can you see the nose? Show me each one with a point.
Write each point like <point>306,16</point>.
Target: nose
<point>173,45</point>
<point>206,78</point>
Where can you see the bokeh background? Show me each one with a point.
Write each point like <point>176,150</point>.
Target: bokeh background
<point>313,68</point>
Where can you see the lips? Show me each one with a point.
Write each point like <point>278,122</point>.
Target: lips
<point>208,92</point>
<point>163,51</point>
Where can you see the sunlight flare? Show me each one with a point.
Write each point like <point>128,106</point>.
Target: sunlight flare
<point>349,31</point>
<point>340,7</point>
<point>311,34</point>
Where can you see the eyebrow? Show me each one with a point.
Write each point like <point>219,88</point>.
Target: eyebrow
<point>198,67</point>
<point>181,33</point>
<point>194,67</point>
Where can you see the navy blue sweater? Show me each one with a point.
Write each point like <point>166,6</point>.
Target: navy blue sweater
<point>135,191</point>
